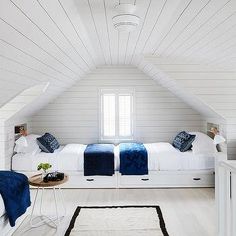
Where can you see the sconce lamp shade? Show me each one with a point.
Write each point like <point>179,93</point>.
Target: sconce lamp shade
<point>218,139</point>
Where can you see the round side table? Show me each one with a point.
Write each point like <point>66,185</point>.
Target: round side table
<point>37,182</point>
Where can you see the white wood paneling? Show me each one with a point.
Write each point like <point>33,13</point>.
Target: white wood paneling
<point>158,73</point>
<point>74,115</point>
<point>7,140</point>
<point>214,87</point>
<point>17,111</point>
<point>167,28</point>
<point>60,41</point>
<point>40,44</point>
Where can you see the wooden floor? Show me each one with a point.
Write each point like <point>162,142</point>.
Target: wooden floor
<point>186,211</point>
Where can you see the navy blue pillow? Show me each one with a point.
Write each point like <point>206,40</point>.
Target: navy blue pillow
<point>48,143</point>
<point>183,141</point>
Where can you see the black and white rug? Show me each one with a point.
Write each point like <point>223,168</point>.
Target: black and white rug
<point>117,220</point>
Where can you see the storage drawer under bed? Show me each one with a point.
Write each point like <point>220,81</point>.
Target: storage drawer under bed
<point>81,181</point>
<point>167,179</point>
<point>155,179</point>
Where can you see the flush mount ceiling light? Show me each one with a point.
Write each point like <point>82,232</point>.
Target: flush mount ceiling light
<point>125,20</point>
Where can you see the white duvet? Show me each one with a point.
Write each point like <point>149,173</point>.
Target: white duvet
<point>157,152</point>
<point>161,156</point>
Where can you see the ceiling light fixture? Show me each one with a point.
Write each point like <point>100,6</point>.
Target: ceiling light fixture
<point>125,20</point>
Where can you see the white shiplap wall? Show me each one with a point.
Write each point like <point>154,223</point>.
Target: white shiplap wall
<point>74,116</point>
<point>17,111</point>
<point>214,86</point>
<point>7,140</point>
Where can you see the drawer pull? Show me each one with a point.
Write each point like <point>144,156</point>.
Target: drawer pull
<point>89,180</point>
<point>196,179</point>
<point>144,179</point>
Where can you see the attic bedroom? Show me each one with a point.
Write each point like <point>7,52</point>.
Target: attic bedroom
<point>117,117</point>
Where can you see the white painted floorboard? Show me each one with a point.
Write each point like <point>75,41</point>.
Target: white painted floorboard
<point>186,211</point>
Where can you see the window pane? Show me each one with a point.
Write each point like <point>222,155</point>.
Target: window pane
<point>125,115</point>
<point>109,127</point>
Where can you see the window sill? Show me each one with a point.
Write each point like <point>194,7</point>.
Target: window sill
<point>116,141</point>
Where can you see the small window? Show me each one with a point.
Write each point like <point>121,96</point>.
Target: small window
<point>116,114</point>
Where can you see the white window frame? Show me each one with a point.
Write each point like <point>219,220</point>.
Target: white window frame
<point>117,92</point>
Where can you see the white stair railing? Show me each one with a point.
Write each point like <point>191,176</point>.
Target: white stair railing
<point>226,199</point>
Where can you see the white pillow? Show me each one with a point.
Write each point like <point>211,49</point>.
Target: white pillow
<point>203,144</point>
<point>27,144</point>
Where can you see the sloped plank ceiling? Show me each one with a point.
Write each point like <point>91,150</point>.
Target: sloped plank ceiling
<point>60,41</point>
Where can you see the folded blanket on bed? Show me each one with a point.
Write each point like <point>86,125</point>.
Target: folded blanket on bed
<point>14,189</point>
<point>99,159</point>
<point>133,159</point>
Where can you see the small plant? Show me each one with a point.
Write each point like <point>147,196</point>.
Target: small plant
<point>44,166</point>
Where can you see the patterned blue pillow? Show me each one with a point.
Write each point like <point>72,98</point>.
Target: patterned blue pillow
<point>183,141</point>
<point>48,143</point>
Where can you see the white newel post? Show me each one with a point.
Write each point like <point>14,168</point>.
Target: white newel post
<point>220,200</point>
<point>219,189</point>
<point>233,204</point>
<point>226,198</point>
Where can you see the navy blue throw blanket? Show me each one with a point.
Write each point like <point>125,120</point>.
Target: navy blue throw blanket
<point>99,159</point>
<point>14,189</point>
<point>133,159</point>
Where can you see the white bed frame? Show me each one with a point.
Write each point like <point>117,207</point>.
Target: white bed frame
<point>155,179</point>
